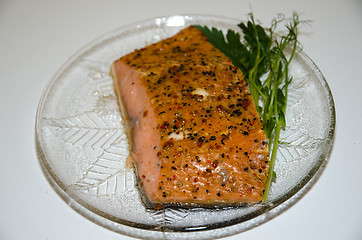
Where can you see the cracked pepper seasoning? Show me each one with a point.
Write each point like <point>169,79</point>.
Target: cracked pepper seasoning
<point>196,135</point>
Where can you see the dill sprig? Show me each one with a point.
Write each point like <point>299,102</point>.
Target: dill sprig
<point>264,57</point>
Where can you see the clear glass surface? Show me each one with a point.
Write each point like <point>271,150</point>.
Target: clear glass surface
<point>83,149</point>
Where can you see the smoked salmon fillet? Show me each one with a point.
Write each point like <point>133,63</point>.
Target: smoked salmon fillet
<point>196,136</point>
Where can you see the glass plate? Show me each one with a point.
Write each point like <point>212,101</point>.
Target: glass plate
<point>83,148</point>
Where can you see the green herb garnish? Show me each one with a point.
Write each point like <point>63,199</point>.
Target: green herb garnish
<point>264,58</point>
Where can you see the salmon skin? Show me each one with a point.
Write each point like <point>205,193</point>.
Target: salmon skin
<point>197,138</point>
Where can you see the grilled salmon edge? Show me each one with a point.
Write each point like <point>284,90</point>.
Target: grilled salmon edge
<point>138,126</point>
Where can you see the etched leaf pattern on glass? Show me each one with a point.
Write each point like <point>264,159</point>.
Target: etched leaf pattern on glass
<point>168,216</point>
<point>295,144</point>
<point>101,130</point>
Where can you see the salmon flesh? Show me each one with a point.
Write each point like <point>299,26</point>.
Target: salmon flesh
<point>196,136</point>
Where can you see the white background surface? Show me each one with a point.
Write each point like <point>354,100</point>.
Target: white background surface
<point>37,37</point>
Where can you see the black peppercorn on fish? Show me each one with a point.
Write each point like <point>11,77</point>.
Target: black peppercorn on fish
<point>196,135</point>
